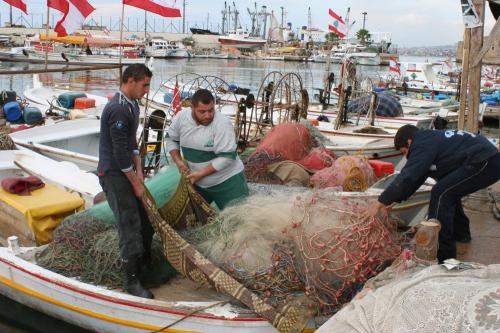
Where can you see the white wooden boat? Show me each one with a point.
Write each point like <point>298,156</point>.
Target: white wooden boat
<point>32,56</point>
<point>178,304</point>
<point>46,98</point>
<point>76,141</point>
<point>23,162</point>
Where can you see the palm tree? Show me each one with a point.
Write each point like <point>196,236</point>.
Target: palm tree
<point>331,39</point>
<point>363,36</point>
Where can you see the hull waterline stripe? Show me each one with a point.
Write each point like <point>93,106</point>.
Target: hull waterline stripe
<point>85,312</point>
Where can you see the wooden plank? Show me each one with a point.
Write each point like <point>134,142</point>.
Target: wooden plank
<point>464,79</point>
<point>475,71</point>
<point>493,37</point>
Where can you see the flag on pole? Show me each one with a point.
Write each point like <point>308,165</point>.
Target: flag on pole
<point>74,13</point>
<point>18,4</point>
<point>160,7</point>
<point>338,26</point>
<point>394,66</point>
<point>176,102</point>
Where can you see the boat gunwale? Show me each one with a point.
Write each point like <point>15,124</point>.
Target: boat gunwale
<point>70,285</point>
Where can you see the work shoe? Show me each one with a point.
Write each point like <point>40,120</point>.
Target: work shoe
<point>463,238</point>
<point>151,278</point>
<point>133,285</point>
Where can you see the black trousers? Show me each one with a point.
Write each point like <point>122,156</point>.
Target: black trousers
<point>445,202</point>
<point>134,229</point>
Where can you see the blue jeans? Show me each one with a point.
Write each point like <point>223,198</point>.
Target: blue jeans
<point>445,202</point>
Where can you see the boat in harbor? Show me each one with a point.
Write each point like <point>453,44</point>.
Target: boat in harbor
<point>75,141</point>
<point>240,39</point>
<point>181,305</point>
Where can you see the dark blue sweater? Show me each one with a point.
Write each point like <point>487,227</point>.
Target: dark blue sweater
<point>435,154</point>
<point>118,143</point>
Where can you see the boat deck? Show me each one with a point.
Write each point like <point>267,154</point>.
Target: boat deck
<point>484,247</point>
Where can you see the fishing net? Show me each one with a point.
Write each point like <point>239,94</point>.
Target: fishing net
<point>318,158</point>
<point>288,141</point>
<point>348,173</point>
<point>86,248</point>
<point>6,142</point>
<point>85,245</point>
<point>287,244</point>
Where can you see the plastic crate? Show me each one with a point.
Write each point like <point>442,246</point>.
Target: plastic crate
<point>381,168</point>
<point>84,103</point>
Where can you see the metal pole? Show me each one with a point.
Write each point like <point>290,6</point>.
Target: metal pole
<point>364,19</point>
<point>10,20</point>
<point>183,16</point>
<point>47,38</point>
<point>264,8</point>
<point>282,16</point>
<point>145,24</point>
<point>121,37</point>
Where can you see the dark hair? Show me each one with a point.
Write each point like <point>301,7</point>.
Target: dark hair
<point>137,72</point>
<point>202,95</point>
<point>404,134</point>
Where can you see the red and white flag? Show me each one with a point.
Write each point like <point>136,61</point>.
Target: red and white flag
<point>394,65</point>
<point>75,12</point>
<point>338,26</point>
<point>106,31</point>
<point>18,4</point>
<point>160,7</point>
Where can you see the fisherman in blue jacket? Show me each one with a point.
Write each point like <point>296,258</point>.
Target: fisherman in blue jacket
<point>461,162</point>
<point>120,174</point>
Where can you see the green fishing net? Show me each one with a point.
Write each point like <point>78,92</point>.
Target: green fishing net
<point>85,245</point>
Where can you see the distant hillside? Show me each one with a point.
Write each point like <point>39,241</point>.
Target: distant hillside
<point>429,51</point>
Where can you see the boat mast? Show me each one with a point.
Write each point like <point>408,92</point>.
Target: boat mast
<point>264,14</point>
<point>184,17</point>
<point>47,37</point>
<point>121,37</point>
<point>253,17</point>
<point>236,13</point>
<point>224,19</point>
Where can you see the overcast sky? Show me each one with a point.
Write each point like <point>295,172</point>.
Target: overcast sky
<point>412,23</point>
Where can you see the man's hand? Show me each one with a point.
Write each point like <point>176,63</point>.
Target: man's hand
<point>183,168</point>
<point>139,190</point>
<point>374,209</point>
<point>195,176</point>
<point>136,182</point>
<point>140,175</point>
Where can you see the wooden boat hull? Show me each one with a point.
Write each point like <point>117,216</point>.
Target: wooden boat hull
<point>103,310</point>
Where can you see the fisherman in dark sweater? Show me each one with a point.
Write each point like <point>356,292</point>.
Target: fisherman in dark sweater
<point>461,162</point>
<point>121,177</point>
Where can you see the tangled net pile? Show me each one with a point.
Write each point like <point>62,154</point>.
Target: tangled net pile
<point>348,173</point>
<point>6,142</point>
<point>289,141</point>
<point>85,245</point>
<point>304,145</point>
<point>309,245</point>
<point>87,248</point>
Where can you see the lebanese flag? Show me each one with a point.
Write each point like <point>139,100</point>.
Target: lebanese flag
<point>393,65</point>
<point>75,12</point>
<point>339,26</point>
<point>18,4</point>
<point>160,7</point>
<point>176,103</point>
